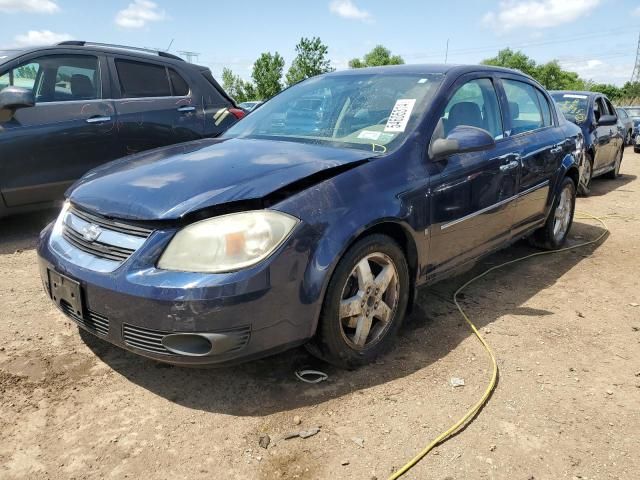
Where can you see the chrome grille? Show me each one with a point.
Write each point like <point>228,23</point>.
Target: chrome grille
<point>110,224</point>
<point>95,242</point>
<point>97,249</point>
<point>91,321</point>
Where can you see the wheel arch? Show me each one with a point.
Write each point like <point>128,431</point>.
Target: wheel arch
<point>392,228</point>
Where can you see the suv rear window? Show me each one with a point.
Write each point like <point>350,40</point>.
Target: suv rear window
<point>178,84</point>
<point>142,79</point>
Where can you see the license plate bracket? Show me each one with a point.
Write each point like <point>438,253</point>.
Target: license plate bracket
<point>66,292</point>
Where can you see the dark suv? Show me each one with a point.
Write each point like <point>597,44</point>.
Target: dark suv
<point>68,108</point>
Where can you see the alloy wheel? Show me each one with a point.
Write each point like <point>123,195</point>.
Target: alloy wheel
<point>562,215</point>
<point>369,301</point>
<point>587,172</point>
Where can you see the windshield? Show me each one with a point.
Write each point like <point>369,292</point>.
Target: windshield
<point>363,111</point>
<point>574,106</point>
<point>633,112</point>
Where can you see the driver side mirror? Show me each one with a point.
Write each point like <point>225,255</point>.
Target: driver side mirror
<point>13,98</point>
<point>605,120</point>
<point>462,139</point>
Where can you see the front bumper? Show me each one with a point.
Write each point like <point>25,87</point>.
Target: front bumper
<point>244,315</point>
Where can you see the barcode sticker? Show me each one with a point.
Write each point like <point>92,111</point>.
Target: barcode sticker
<point>399,117</point>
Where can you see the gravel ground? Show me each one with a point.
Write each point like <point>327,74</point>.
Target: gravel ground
<point>565,329</point>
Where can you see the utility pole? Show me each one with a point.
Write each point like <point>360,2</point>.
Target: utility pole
<point>191,56</point>
<point>636,70</point>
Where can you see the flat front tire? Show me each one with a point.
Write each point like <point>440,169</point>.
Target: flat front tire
<point>586,177</point>
<point>365,303</point>
<point>554,233</point>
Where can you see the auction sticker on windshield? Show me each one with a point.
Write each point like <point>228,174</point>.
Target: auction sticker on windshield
<point>573,95</point>
<point>399,117</point>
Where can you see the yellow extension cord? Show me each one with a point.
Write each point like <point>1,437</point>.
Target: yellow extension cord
<point>494,376</point>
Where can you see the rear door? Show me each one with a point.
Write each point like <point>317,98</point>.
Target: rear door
<point>472,192</point>
<point>156,105</point>
<point>70,130</point>
<point>539,141</point>
<point>604,135</point>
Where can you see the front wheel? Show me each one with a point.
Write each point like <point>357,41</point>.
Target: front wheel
<point>365,303</point>
<point>615,172</point>
<point>555,231</point>
<point>586,177</point>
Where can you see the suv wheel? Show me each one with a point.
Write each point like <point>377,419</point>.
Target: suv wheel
<point>365,303</point>
<point>554,232</point>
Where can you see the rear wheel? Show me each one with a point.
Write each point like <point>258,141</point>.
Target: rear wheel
<point>629,139</point>
<point>554,232</point>
<point>365,303</point>
<point>586,177</point>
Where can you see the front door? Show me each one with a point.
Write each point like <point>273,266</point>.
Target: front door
<point>70,130</point>
<point>472,193</point>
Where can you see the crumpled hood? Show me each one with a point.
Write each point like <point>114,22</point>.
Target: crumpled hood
<point>170,182</point>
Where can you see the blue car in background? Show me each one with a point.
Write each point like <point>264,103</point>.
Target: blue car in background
<point>314,227</point>
<point>604,141</point>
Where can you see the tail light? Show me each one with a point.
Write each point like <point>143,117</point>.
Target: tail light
<point>237,112</point>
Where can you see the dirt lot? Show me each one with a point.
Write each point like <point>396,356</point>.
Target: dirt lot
<point>565,328</point>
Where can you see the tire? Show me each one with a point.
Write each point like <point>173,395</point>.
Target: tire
<point>629,138</point>
<point>563,209</point>
<point>586,177</point>
<point>613,174</point>
<point>342,339</point>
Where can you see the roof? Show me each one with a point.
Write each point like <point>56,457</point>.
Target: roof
<point>576,92</point>
<point>78,46</point>
<point>417,69</point>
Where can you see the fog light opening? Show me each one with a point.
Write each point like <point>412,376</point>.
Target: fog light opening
<point>190,344</point>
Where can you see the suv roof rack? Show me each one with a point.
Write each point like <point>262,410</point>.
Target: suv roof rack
<point>82,43</point>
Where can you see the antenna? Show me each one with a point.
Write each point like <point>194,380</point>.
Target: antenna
<point>635,77</point>
<point>446,54</point>
<point>191,56</point>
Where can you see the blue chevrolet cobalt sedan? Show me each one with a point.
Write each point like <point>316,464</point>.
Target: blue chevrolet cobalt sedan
<point>313,220</point>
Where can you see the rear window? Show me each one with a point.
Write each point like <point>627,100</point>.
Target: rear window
<point>142,79</point>
<point>178,84</point>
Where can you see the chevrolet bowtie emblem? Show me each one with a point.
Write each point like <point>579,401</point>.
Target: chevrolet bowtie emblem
<point>91,232</point>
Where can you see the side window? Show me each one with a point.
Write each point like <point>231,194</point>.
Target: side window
<point>524,107</point>
<point>59,78</point>
<point>598,109</point>
<point>546,109</point>
<point>474,104</point>
<point>139,79</point>
<point>179,86</point>
<point>612,111</point>
<point>23,76</point>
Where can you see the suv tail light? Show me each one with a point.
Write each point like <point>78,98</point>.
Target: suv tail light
<point>237,112</point>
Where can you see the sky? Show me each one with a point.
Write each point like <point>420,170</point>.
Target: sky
<point>596,38</point>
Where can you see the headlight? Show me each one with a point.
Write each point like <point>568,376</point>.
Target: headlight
<point>227,243</point>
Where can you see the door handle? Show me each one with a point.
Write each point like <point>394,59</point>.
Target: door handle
<point>509,166</point>
<point>187,109</point>
<point>98,119</point>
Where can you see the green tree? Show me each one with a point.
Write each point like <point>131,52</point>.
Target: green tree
<point>377,57</point>
<point>553,77</point>
<point>311,60</point>
<point>267,75</point>
<point>238,89</point>
<point>611,91</point>
<point>509,59</point>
